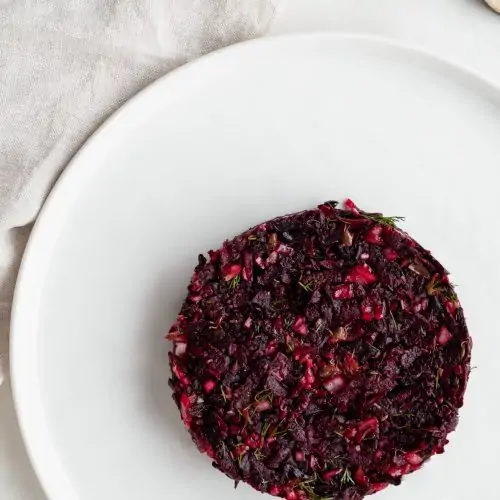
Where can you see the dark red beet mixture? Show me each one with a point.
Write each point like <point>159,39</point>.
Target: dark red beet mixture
<point>320,355</point>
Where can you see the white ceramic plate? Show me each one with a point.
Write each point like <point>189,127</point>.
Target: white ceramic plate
<point>254,131</point>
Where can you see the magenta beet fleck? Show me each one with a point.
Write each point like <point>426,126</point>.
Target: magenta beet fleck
<point>320,355</point>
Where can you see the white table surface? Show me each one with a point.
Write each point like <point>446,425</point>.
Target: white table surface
<point>463,31</point>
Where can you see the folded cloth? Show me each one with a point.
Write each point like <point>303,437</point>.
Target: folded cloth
<point>65,66</point>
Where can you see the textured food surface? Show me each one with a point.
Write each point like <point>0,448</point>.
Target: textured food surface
<point>320,355</point>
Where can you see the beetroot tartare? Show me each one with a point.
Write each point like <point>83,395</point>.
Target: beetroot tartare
<point>320,355</point>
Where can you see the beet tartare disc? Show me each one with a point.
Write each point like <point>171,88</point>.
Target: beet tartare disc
<point>320,355</point>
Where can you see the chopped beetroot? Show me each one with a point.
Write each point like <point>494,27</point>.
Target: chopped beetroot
<point>334,384</point>
<point>230,271</point>
<point>300,325</point>
<point>374,235</point>
<point>361,274</point>
<point>320,355</point>
<point>444,336</point>
<point>343,292</point>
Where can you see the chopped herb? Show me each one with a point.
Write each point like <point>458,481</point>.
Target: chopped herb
<point>438,376</point>
<point>265,428</point>
<point>235,282</point>
<point>346,478</point>
<point>385,221</point>
<point>223,394</point>
<point>263,395</point>
<point>277,432</point>
<point>306,287</point>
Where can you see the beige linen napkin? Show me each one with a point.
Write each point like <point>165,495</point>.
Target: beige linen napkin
<point>65,65</point>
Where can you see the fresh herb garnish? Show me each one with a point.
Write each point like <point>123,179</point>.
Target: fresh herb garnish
<point>235,282</point>
<point>263,395</point>
<point>346,478</point>
<point>307,286</point>
<point>382,219</point>
<point>265,428</point>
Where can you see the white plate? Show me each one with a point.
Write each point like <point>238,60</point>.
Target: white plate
<point>254,131</point>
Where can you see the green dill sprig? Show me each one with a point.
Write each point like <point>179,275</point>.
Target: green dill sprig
<point>346,478</point>
<point>277,432</point>
<point>223,394</point>
<point>391,221</point>
<point>308,287</point>
<point>235,282</point>
<point>263,395</point>
<point>265,428</point>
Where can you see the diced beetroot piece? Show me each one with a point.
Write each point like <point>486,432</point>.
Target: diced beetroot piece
<point>444,336</point>
<point>299,456</point>
<point>361,274</point>
<point>263,406</point>
<point>240,450</point>
<point>209,385</point>
<point>360,478</point>
<point>351,365</point>
<point>451,306</point>
<point>230,271</point>
<point>300,325</point>
<point>374,235</point>
<point>180,373</point>
<point>391,255</point>
<point>334,384</point>
<point>185,406</point>
<point>248,323</point>
<point>247,273</point>
<point>328,210</point>
<point>330,474</point>
<point>284,249</point>
<point>394,471</point>
<point>376,487</point>
<point>341,292</point>
<point>272,259</point>
<point>369,426</point>
<point>274,490</point>
<point>378,311</point>
<point>309,376</point>
<point>254,441</point>
<point>272,347</point>
<point>214,256</point>
<point>301,351</point>
<point>367,311</point>
<point>259,261</point>
<point>413,458</point>
<point>350,205</point>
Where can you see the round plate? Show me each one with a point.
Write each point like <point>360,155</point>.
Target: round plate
<point>257,130</point>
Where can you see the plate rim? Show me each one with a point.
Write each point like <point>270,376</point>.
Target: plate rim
<point>25,390</point>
